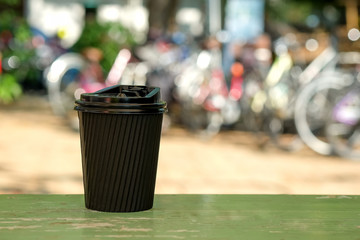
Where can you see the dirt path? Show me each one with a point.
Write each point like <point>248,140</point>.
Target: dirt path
<point>40,154</point>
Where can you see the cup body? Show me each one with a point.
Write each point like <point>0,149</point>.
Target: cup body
<point>119,159</point>
<point>119,150</point>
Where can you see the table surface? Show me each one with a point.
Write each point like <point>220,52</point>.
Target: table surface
<point>184,217</point>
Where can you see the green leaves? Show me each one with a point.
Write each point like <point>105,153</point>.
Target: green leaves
<point>108,37</point>
<point>10,89</point>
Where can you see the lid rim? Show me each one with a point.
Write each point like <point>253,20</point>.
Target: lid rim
<point>120,105</point>
<point>122,99</point>
<point>124,94</point>
<point>119,111</point>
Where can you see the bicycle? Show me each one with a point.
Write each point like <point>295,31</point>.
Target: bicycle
<point>343,126</point>
<point>272,106</point>
<point>72,74</point>
<point>320,112</point>
<point>207,103</point>
<point>316,99</point>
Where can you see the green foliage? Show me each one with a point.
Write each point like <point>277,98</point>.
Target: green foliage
<point>108,37</point>
<point>10,2</point>
<point>10,89</point>
<point>295,12</point>
<point>15,48</point>
<point>292,12</point>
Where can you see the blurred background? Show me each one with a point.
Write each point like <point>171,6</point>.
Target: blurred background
<point>263,95</point>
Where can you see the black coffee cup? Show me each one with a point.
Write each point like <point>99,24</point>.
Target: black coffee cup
<point>120,129</point>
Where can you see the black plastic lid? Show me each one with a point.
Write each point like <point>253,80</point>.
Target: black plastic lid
<point>122,99</point>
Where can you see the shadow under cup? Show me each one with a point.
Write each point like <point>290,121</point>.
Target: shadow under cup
<point>120,130</point>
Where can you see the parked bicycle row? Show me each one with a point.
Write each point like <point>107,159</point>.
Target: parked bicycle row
<point>314,103</point>
<point>289,100</point>
<point>285,97</point>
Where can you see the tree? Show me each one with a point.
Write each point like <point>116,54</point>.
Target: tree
<point>161,17</point>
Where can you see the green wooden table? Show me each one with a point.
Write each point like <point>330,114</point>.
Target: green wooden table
<point>184,217</point>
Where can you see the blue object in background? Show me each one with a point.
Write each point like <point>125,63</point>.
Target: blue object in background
<point>244,19</point>
<point>244,22</point>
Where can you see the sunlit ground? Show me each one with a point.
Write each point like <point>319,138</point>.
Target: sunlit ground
<point>40,154</point>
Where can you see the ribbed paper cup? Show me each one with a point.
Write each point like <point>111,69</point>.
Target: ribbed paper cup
<point>120,144</point>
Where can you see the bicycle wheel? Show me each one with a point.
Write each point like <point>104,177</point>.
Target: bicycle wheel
<point>312,110</point>
<point>62,80</point>
<point>343,127</point>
